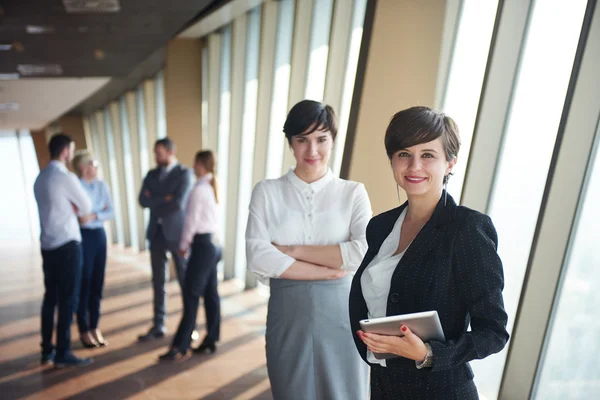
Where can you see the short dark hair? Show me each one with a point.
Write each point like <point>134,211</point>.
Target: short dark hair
<point>308,116</point>
<point>417,125</point>
<point>166,143</point>
<point>58,143</point>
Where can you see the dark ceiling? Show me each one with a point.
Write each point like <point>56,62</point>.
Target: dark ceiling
<point>91,44</point>
<point>127,45</point>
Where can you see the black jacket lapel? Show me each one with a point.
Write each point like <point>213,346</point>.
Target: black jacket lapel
<point>413,273</point>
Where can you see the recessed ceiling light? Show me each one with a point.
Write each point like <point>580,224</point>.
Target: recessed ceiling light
<point>91,6</point>
<point>9,106</point>
<point>39,29</point>
<point>99,54</point>
<point>41,69</point>
<point>9,77</point>
<point>18,47</point>
<point>5,47</point>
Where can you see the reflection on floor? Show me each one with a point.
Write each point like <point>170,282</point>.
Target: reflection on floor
<point>126,369</point>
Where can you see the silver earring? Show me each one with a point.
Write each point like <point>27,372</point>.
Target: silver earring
<point>398,192</point>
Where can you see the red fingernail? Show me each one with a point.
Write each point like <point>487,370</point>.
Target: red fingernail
<point>404,329</point>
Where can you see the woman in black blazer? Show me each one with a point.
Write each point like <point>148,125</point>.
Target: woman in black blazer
<point>428,254</point>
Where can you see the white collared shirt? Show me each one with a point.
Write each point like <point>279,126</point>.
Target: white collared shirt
<point>289,211</point>
<point>377,277</point>
<point>170,167</point>
<point>56,192</point>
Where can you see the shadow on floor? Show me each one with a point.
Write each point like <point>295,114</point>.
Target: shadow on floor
<point>31,384</point>
<point>131,306</point>
<point>31,308</point>
<point>152,375</point>
<point>240,385</point>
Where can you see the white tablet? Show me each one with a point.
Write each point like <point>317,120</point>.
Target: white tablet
<point>426,325</point>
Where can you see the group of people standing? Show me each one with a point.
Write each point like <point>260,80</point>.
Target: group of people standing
<point>310,236</point>
<point>72,210</point>
<point>183,222</point>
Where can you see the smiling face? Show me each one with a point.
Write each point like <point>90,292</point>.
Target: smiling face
<point>420,169</point>
<point>312,151</point>
<point>90,170</point>
<point>422,145</point>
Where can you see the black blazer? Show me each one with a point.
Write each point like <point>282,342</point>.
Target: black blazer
<point>177,184</point>
<point>451,266</point>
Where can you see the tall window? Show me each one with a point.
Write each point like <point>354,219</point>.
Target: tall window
<point>114,177</point>
<point>319,49</point>
<point>281,88</point>
<point>143,141</point>
<point>161,112</point>
<point>224,121</point>
<point>467,70</point>
<point>204,109</point>
<point>569,368</point>
<point>18,212</point>
<point>538,101</point>
<point>358,19</point>
<point>248,134</point>
<point>127,174</point>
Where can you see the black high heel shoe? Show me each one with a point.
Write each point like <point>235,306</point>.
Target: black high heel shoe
<point>92,345</point>
<point>172,355</point>
<point>206,348</point>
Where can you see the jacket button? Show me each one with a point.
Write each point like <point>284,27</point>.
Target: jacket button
<point>395,297</point>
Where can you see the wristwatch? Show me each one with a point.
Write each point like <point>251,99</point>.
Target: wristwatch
<point>428,361</point>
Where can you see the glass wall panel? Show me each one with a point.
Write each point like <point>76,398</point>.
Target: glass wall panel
<point>569,368</point>
<point>224,127</point>
<point>465,79</point>
<point>319,49</point>
<point>127,174</point>
<point>161,112</point>
<point>250,108</point>
<point>358,18</point>
<point>281,88</point>
<point>14,213</point>
<point>114,178</point>
<point>535,113</point>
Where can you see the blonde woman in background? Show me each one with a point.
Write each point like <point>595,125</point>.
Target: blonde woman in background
<point>94,249</point>
<point>200,280</point>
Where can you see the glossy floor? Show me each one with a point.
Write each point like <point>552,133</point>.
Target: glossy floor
<point>127,369</point>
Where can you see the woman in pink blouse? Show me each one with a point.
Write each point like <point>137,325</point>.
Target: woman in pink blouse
<point>201,274</point>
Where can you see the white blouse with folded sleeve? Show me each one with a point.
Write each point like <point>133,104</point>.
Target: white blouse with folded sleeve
<point>377,277</point>
<point>289,211</point>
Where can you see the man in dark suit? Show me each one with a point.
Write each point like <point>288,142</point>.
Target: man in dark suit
<point>164,192</point>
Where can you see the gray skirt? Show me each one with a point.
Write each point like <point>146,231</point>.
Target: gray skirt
<point>310,350</point>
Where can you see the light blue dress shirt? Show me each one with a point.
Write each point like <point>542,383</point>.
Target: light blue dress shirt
<point>57,191</point>
<point>101,203</point>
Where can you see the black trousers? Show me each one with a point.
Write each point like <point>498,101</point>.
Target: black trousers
<point>200,280</point>
<point>62,280</point>
<point>385,386</point>
<point>159,246</point>
<point>92,278</point>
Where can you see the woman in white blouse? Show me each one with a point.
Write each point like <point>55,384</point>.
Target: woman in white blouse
<point>428,254</point>
<point>201,274</point>
<point>306,231</point>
